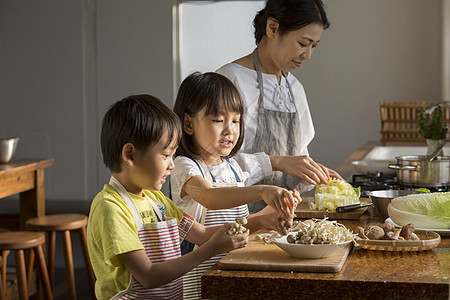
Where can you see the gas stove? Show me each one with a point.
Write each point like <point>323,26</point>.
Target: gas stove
<point>380,181</point>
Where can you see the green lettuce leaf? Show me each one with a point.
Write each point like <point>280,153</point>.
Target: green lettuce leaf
<point>429,210</point>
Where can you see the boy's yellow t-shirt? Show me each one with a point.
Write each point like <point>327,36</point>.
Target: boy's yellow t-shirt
<point>112,231</point>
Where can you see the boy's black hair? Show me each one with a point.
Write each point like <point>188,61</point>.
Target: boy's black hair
<point>138,119</point>
<point>291,15</point>
<point>213,91</point>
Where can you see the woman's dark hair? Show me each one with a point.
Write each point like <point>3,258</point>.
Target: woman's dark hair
<point>141,120</point>
<point>291,15</point>
<point>213,91</point>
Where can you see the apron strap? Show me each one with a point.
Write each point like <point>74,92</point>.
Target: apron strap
<point>204,170</point>
<point>259,80</point>
<point>117,185</point>
<point>156,209</point>
<point>124,194</point>
<point>238,179</point>
<point>208,176</point>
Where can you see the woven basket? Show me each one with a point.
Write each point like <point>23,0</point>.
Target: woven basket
<point>428,240</point>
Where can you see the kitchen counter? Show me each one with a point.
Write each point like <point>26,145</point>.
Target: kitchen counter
<point>365,274</point>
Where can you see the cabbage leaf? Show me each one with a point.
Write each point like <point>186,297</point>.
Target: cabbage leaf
<point>429,210</point>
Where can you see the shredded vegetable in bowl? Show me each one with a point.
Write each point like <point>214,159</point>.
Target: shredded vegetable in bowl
<point>320,231</point>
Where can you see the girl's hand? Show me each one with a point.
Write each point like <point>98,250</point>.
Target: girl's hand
<point>221,242</point>
<point>280,199</point>
<point>297,198</point>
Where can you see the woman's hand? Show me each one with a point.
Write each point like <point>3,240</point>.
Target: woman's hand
<point>331,173</point>
<point>221,242</point>
<point>303,167</point>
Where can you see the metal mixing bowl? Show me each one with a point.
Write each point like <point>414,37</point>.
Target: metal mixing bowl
<point>381,199</point>
<point>7,148</point>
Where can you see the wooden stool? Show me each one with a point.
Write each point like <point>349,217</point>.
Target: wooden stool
<point>4,255</point>
<point>24,240</point>
<point>65,223</point>
<point>2,286</point>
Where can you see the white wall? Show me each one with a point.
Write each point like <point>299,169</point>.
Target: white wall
<point>63,62</point>
<point>446,50</point>
<point>374,51</point>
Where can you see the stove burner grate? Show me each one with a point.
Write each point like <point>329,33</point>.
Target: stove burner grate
<point>375,182</point>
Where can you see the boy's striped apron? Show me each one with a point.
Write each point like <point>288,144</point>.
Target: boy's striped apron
<point>161,241</point>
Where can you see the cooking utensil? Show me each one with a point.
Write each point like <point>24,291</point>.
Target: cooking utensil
<point>351,207</point>
<point>382,198</point>
<point>7,148</point>
<point>435,152</point>
<point>303,211</point>
<point>416,170</point>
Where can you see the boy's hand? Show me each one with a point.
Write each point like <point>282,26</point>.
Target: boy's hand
<point>268,218</point>
<point>280,199</point>
<point>221,242</point>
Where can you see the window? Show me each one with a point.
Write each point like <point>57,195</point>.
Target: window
<point>210,34</point>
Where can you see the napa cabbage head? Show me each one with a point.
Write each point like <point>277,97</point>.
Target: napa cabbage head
<point>428,210</point>
<point>333,194</point>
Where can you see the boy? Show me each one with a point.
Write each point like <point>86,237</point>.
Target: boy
<point>134,231</point>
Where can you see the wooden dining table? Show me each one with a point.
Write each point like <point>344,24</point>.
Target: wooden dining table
<point>366,274</point>
<point>26,178</point>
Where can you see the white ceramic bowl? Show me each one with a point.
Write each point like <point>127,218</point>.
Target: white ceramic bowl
<point>308,251</point>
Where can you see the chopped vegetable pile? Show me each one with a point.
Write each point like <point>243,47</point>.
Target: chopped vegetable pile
<point>334,194</point>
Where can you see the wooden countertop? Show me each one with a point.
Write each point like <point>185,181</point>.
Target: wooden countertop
<point>365,274</point>
<point>25,177</point>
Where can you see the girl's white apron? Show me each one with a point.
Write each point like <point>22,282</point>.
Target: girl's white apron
<point>192,279</point>
<point>161,241</point>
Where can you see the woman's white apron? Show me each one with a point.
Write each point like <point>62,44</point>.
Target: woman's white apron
<point>277,133</point>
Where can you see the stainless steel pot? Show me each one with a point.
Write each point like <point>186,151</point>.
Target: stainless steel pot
<point>382,198</point>
<point>416,170</point>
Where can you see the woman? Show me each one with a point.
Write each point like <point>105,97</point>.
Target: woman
<point>278,125</point>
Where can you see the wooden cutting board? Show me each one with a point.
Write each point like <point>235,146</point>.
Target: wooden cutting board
<point>258,256</point>
<point>303,212</point>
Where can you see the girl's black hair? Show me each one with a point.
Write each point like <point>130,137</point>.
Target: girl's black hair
<point>291,15</point>
<point>140,120</point>
<point>213,91</point>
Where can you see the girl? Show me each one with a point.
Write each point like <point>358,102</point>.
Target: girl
<point>206,182</point>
